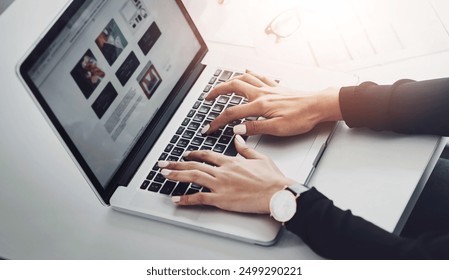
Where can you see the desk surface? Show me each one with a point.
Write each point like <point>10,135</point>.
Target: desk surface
<point>48,211</point>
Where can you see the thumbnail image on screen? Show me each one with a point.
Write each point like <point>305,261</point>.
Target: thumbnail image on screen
<point>149,79</point>
<point>111,42</point>
<point>87,74</point>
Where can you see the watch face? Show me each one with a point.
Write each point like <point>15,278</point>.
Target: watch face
<point>283,206</point>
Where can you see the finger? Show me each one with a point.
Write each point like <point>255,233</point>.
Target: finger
<point>189,165</point>
<point>210,157</point>
<point>264,126</point>
<point>195,199</point>
<point>252,80</point>
<point>264,79</point>
<point>231,114</point>
<point>190,176</point>
<point>237,86</point>
<point>246,151</point>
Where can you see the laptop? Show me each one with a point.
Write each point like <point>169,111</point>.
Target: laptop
<point>122,84</point>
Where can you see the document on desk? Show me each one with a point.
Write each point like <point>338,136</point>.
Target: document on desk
<point>333,34</point>
<point>349,34</point>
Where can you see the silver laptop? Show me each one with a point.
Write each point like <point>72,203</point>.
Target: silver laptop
<point>122,84</point>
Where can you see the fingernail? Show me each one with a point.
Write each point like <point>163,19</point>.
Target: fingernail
<point>162,163</point>
<point>176,199</point>
<point>240,139</point>
<point>165,172</point>
<point>205,129</point>
<point>186,154</point>
<point>240,129</point>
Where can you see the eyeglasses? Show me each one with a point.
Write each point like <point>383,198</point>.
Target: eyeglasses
<point>284,24</point>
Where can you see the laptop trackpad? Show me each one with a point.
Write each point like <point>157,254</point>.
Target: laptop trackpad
<point>294,155</point>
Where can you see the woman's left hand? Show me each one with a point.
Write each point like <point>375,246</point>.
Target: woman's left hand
<point>237,184</point>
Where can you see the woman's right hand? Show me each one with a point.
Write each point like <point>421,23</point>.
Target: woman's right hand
<point>284,111</point>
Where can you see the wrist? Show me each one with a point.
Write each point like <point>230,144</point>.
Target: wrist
<point>329,104</point>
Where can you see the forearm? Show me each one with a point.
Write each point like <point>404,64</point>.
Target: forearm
<point>405,107</point>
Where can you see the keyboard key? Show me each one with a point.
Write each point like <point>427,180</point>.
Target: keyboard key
<point>168,148</point>
<point>204,189</point>
<point>191,191</point>
<point>168,187</point>
<point>159,178</point>
<point>197,141</point>
<point>218,108</point>
<point>208,103</point>
<point>223,99</point>
<point>154,187</point>
<point>151,175</point>
<point>216,133</point>
<point>172,158</point>
<point>236,74</point>
<point>207,88</point>
<point>202,96</point>
<point>191,113</point>
<point>225,75</point>
<point>189,134</point>
<point>180,130</point>
<point>192,148</point>
<point>196,105</point>
<point>177,151</point>
<point>199,117</point>
<point>229,131</point>
<point>174,139</point>
<point>204,109</point>
<point>212,116</point>
<point>155,167</point>
<point>210,141</point>
<point>181,189</point>
<point>224,139</point>
<point>183,143</point>
<point>236,100</point>
<point>163,156</point>
<point>144,185</point>
<point>206,122</point>
<point>217,72</point>
<point>219,148</point>
<point>231,150</point>
<point>195,186</point>
<point>234,123</point>
<point>212,80</point>
<point>194,126</point>
<point>205,148</point>
<point>185,122</point>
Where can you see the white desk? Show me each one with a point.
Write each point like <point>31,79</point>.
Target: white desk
<point>47,210</point>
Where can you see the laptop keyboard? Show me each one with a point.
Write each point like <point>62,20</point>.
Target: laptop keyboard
<point>188,137</point>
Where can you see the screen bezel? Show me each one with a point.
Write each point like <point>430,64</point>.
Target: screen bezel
<point>149,136</point>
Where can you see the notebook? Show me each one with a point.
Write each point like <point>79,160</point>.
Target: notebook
<point>122,84</point>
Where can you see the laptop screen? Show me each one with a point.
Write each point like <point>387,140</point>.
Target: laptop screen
<point>108,71</point>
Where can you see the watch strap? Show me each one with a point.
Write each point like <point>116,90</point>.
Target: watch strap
<point>297,189</point>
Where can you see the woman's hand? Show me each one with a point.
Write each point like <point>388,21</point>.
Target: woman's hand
<point>285,112</point>
<point>237,184</point>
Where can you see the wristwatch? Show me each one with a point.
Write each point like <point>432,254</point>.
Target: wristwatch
<point>283,202</point>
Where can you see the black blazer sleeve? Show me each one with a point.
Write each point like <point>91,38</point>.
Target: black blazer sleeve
<point>336,234</point>
<point>405,107</point>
